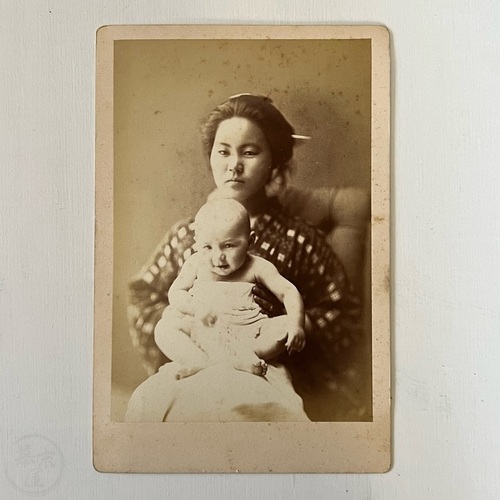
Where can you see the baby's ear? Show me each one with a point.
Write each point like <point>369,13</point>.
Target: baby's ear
<point>251,238</point>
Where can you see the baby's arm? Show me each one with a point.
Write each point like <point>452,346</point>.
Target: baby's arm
<point>178,295</point>
<point>172,333</point>
<point>268,275</point>
<point>180,298</point>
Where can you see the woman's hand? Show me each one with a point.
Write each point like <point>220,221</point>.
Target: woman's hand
<point>268,303</point>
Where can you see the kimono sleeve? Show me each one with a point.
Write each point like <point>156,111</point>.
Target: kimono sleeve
<point>149,291</point>
<point>329,299</point>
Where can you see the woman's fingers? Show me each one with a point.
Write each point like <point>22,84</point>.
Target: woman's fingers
<point>264,304</point>
<point>263,293</point>
<point>269,304</point>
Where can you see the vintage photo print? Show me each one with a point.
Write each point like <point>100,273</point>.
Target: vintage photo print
<point>242,280</point>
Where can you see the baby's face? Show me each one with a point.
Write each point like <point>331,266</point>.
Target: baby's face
<point>223,249</point>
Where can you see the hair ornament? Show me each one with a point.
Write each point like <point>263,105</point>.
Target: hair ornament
<point>238,95</point>
<point>248,94</point>
<point>268,99</point>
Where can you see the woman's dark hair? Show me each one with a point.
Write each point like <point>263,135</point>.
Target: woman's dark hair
<point>260,110</point>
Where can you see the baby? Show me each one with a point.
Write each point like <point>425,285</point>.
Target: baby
<point>211,300</point>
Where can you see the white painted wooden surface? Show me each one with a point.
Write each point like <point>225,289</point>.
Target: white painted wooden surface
<point>446,244</point>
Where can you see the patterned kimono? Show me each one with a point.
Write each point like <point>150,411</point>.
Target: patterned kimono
<point>301,255</point>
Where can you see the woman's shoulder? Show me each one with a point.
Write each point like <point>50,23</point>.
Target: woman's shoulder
<point>183,226</point>
<point>277,219</point>
<point>179,231</point>
<point>178,241</point>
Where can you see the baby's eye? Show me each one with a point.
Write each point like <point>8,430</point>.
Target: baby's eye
<point>207,247</point>
<point>228,245</point>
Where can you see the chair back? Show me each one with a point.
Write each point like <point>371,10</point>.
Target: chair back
<point>342,213</point>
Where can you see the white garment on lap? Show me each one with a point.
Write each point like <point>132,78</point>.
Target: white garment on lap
<point>239,318</point>
<point>233,299</point>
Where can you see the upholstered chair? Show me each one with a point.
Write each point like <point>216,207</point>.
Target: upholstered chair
<point>343,213</point>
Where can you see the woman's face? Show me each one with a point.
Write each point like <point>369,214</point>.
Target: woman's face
<point>240,159</point>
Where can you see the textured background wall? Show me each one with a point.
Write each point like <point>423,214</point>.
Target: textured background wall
<point>446,245</point>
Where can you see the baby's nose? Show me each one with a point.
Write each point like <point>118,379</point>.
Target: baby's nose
<point>218,257</point>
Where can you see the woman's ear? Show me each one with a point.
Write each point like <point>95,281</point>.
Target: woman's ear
<point>251,238</point>
<point>275,183</point>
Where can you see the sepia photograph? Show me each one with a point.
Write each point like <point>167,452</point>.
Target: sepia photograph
<point>242,242</point>
<point>249,251</point>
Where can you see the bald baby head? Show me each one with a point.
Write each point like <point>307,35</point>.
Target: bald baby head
<point>223,236</point>
<point>224,214</point>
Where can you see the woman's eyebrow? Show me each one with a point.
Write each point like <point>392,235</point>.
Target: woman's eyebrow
<point>246,145</point>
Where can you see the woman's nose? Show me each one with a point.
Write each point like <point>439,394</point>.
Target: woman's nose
<point>235,165</point>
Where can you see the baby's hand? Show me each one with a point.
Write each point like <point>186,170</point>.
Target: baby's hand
<point>296,339</point>
<point>206,315</point>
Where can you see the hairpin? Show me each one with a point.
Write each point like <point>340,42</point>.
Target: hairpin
<point>238,95</point>
<point>294,136</point>
<point>263,97</point>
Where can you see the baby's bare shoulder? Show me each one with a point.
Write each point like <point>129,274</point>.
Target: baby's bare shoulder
<point>192,264</point>
<point>260,266</point>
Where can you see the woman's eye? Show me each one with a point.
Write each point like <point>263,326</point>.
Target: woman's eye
<point>223,152</point>
<point>250,153</point>
<point>228,245</point>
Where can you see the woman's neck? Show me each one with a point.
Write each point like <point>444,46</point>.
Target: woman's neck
<point>256,204</point>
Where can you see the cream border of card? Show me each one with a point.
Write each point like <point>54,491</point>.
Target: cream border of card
<point>243,447</point>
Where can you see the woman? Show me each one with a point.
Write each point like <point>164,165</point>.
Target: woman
<point>249,144</point>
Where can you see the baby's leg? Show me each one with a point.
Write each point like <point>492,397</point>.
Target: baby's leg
<point>172,337</point>
<point>272,338</point>
<point>228,343</point>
